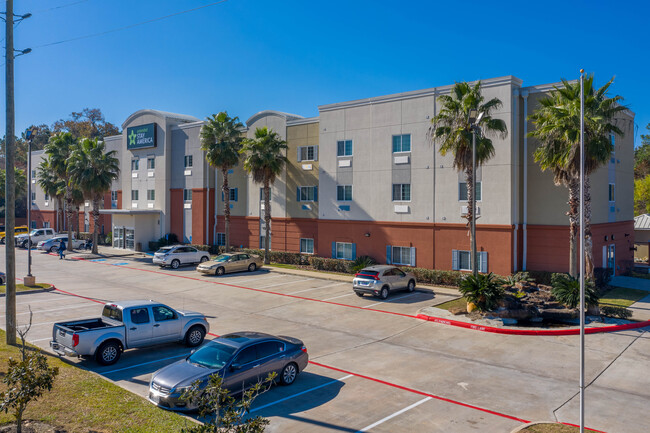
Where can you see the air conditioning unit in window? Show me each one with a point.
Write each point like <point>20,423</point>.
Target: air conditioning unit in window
<point>463,210</point>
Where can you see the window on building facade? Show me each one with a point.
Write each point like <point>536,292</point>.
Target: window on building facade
<point>221,239</point>
<point>46,197</point>
<point>187,195</point>
<point>307,153</point>
<point>344,148</point>
<point>403,256</point>
<point>135,194</point>
<point>46,224</point>
<point>151,163</point>
<point>461,260</point>
<point>33,224</point>
<point>263,241</point>
<point>233,194</point>
<point>344,251</point>
<point>401,192</point>
<point>113,199</point>
<point>262,194</point>
<point>612,192</point>
<point>306,246</point>
<point>344,193</point>
<point>402,143</point>
<point>33,174</point>
<point>188,161</point>
<point>33,196</point>
<point>462,191</point>
<point>151,194</point>
<point>307,193</point>
<point>135,164</point>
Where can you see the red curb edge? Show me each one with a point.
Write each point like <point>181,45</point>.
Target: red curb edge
<point>556,332</point>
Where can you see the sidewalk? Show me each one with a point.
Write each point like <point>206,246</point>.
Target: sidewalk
<point>103,252</point>
<point>630,283</point>
<point>348,278</point>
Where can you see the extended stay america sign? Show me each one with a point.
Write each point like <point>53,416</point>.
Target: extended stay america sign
<point>141,136</point>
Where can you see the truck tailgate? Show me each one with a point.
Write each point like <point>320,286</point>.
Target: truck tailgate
<point>62,336</point>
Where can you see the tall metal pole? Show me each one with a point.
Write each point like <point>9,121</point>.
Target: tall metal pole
<point>10,181</point>
<point>582,252</point>
<point>473,227</point>
<point>29,207</point>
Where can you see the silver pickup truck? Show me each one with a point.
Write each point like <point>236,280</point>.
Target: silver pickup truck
<point>125,325</point>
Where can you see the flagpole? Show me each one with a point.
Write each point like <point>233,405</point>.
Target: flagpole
<point>582,252</point>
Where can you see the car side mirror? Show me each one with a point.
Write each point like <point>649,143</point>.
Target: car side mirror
<point>235,367</point>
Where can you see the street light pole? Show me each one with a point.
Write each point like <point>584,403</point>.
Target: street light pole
<point>582,252</point>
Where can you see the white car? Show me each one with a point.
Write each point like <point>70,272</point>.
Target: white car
<point>36,235</point>
<point>176,255</point>
<point>52,245</point>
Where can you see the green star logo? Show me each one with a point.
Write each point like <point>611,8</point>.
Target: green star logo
<point>132,138</point>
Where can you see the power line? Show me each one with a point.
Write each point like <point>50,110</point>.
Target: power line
<point>129,26</point>
<point>60,7</point>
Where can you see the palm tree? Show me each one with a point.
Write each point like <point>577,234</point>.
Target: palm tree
<point>58,150</point>
<point>265,159</point>
<point>221,139</point>
<point>557,122</point>
<point>452,129</point>
<point>52,186</point>
<point>94,170</point>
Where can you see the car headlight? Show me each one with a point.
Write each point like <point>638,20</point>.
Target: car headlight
<point>182,389</point>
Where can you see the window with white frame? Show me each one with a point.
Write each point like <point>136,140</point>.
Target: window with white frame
<point>263,241</point>
<point>344,148</point>
<point>402,256</point>
<point>33,196</point>
<point>462,191</point>
<point>113,199</point>
<point>262,194</point>
<point>135,164</point>
<point>221,239</point>
<point>401,192</point>
<point>401,143</point>
<point>612,192</point>
<point>151,163</point>
<point>307,153</point>
<point>33,224</point>
<point>306,246</point>
<point>344,251</point>
<point>33,174</point>
<point>461,260</point>
<point>46,224</point>
<point>344,193</point>
<point>187,195</point>
<point>233,194</point>
<point>307,193</point>
<point>151,194</point>
<point>188,161</point>
<point>46,197</point>
<point>135,194</point>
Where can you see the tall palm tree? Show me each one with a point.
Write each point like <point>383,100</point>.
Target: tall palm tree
<point>58,150</point>
<point>452,129</point>
<point>264,159</point>
<point>557,127</point>
<point>94,170</point>
<point>52,186</point>
<point>221,139</point>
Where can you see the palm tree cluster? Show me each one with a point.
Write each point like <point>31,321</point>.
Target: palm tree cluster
<point>75,170</point>
<point>264,158</point>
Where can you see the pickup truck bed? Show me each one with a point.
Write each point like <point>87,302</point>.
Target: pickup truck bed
<point>84,325</point>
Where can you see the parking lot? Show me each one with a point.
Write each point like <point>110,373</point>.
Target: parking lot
<point>374,366</point>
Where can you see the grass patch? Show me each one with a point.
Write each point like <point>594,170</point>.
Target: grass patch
<point>284,266</point>
<point>456,303</point>
<point>552,428</point>
<point>638,275</point>
<point>622,297</point>
<point>81,401</point>
<point>24,288</point>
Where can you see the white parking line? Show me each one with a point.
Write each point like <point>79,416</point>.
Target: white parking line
<point>399,412</point>
<point>302,392</point>
<point>53,309</point>
<point>140,365</point>
<point>336,297</point>
<point>284,283</point>
<point>316,288</point>
<point>40,339</point>
<point>390,300</point>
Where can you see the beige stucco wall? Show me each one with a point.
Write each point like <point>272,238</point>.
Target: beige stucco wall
<point>299,173</point>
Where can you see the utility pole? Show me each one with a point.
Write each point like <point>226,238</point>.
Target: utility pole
<point>10,183</point>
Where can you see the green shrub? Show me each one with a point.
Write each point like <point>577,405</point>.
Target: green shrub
<point>332,265</point>
<point>108,240</point>
<point>436,277</point>
<point>613,311</point>
<point>483,290</point>
<point>362,262</point>
<point>154,245</point>
<point>602,277</point>
<point>541,277</point>
<point>566,290</point>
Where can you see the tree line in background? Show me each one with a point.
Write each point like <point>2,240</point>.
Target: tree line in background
<point>642,175</point>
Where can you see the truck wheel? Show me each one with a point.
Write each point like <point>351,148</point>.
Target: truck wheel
<point>24,244</point>
<point>108,353</point>
<point>194,336</point>
<point>175,264</point>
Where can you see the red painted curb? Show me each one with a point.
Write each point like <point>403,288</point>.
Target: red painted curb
<point>556,332</point>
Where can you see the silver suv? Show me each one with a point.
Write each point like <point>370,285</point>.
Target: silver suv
<point>380,280</point>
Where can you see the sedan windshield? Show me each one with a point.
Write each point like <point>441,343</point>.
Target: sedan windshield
<point>213,355</point>
<point>221,258</point>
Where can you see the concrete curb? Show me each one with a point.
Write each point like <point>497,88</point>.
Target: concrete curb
<point>532,423</point>
<point>29,292</point>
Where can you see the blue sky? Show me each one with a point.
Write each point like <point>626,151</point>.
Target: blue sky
<point>245,56</point>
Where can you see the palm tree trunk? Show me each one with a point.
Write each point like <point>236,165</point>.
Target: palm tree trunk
<point>59,212</point>
<point>589,246</point>
<point>226,205</point>
<point>69,210</point>
<point>469,177</point>
<point>267,220</point>
<point>573,214</point>
<point>76,220</point>
<point>96,200</point>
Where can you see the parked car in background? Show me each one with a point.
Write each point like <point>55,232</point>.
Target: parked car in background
<point>127,324</point>
<point>3,279</point>
<point>241,359</point>
<point>17,231</point>
<point>176,255</point>
<point>231,262</point>
<point>52,244</point>
<point>35,236</point>
<point>381,280</point>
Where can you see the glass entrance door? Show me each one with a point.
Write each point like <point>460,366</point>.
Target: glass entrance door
<point>611,258</point>
<point>129,235</point>
<point>118,237</point>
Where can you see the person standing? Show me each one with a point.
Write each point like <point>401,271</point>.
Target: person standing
<point>61,249</point>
